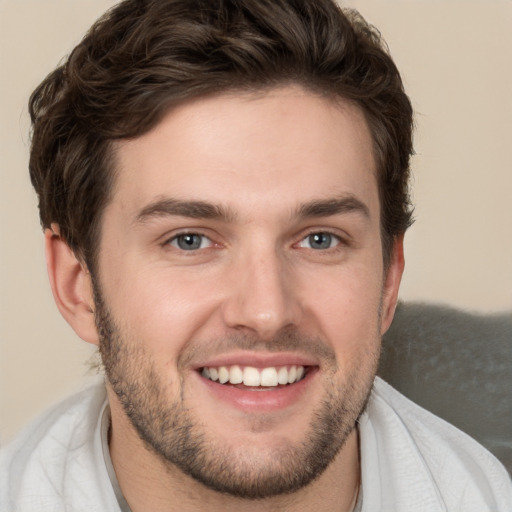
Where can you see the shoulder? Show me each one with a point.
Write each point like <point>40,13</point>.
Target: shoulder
<point>415,449</point>
<point>38,465</point>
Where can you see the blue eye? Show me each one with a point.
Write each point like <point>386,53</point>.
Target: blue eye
<point>320,241</point>
<point>190,242</point>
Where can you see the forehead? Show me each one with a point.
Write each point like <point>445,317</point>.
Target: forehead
<point>250,151</point>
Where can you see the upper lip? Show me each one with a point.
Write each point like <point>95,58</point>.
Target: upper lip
<point>259,360</point>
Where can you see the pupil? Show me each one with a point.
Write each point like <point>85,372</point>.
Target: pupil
<point>320,241</point>
<point>188,242</point>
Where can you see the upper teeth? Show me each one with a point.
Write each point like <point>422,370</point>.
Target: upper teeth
<point>251,376</point>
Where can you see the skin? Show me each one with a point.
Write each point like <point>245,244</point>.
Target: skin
<point>263,160</point>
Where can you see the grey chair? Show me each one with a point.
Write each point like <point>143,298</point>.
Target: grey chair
<point>457,365</point>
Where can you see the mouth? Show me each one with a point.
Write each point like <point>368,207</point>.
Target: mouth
<point>245,377</point>
<point>259,383</point>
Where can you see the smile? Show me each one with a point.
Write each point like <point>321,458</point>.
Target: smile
<point>271,376</point>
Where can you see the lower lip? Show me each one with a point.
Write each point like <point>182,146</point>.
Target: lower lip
<point>260,399</point>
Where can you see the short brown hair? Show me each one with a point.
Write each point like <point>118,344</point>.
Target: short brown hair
<point>144,56</point>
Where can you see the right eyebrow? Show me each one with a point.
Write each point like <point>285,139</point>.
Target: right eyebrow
<point>334,206</point>
<point>176,207</point>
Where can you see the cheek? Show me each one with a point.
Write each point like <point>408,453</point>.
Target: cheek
<point>161,307</point>
<point>345,306</point>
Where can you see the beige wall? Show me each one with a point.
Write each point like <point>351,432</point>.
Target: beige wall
<point>456,59</point>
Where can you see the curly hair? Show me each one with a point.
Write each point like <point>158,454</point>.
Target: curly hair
<point>144,56</point>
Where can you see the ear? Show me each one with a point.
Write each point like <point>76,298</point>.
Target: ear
<point>71,285</point>
<point>392,283</point>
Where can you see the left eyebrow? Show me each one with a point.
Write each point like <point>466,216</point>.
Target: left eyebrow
<point>335,206</point>
<point>192,209</point>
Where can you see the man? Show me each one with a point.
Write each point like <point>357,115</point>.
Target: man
<point>224,191</point>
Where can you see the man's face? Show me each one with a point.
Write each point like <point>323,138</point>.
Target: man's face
<point>241,290</point>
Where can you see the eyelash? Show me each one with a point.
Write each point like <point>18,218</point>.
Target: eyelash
<point>174,241</point>
<point>332,237</point>
<point>340,241</point>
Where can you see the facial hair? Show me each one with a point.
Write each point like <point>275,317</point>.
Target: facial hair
<point>174,433</point>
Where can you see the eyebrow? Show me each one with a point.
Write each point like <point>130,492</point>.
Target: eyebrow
<point>193,209</point>
<point>334,206</point>
<point>205,210</point>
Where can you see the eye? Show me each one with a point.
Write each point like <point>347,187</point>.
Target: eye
<point>320,241</point>
<point>190,242</point>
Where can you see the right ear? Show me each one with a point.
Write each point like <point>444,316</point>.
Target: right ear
<point>71,285</point>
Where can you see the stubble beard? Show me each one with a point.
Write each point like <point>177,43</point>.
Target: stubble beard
<point>170,430</point>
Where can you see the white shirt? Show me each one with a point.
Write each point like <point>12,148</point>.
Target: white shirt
<point>411,461</point>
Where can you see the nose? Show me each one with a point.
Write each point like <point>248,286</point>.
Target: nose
<point>262,296</point>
